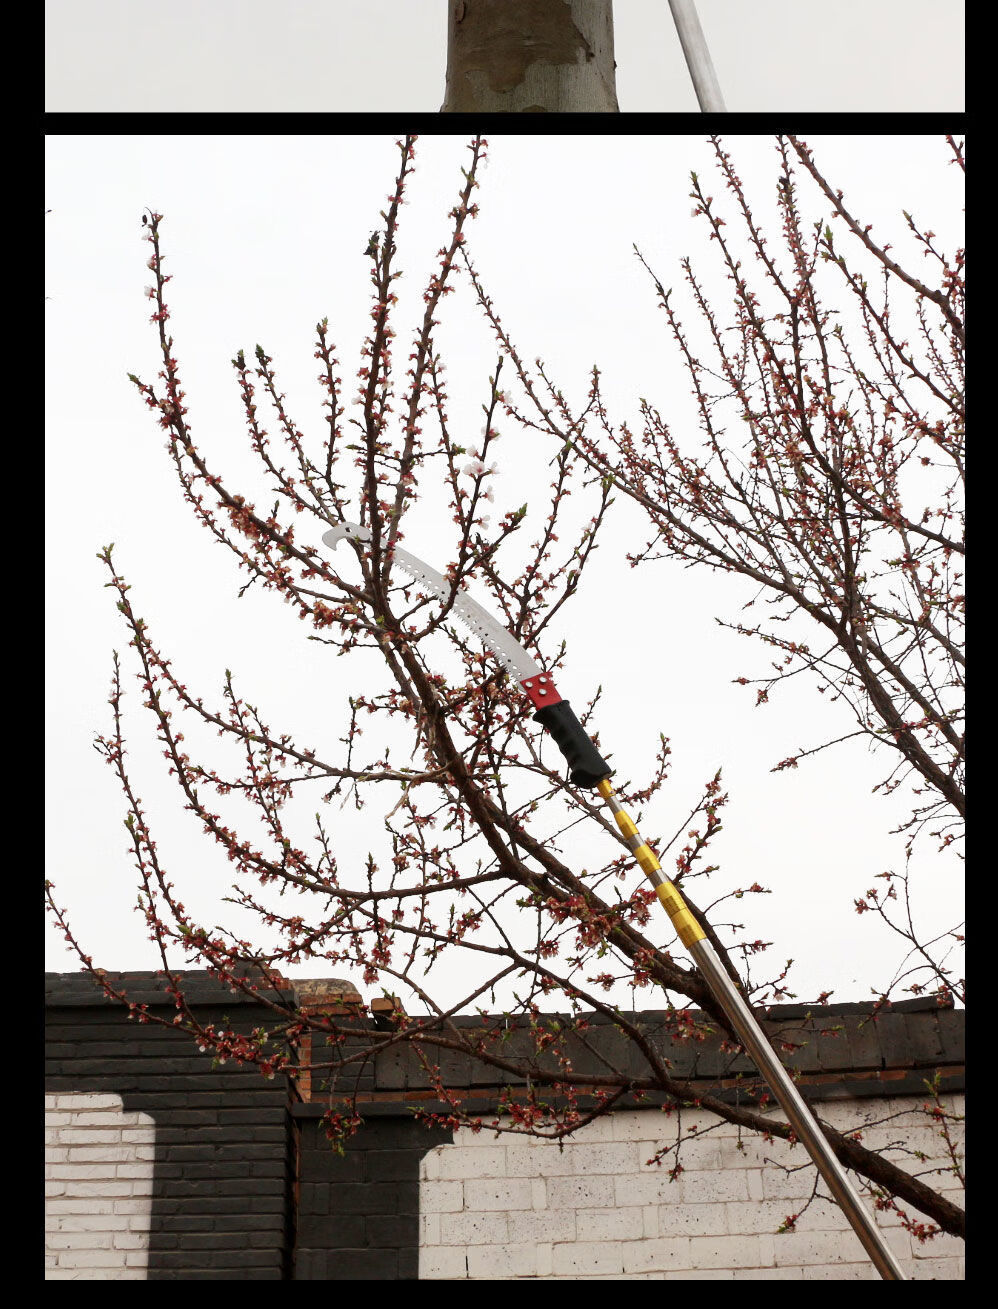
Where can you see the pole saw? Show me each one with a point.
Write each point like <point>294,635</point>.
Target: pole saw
<point>590,771</point>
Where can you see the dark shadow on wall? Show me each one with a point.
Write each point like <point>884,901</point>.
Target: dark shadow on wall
<point>245,1184</point>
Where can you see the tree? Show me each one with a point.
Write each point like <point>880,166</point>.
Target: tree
<point>470,864</point>
<point>530,56</point>
<point>843,506</point>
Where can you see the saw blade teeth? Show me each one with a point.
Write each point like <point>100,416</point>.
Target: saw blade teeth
<point>428,582</point>
<point>470,621</point>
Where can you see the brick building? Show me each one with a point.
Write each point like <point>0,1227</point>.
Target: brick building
<point>161,1166</point>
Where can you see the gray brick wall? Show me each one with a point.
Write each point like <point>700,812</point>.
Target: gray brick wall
<point>519,1208</point>
<point>163,1167</point>
<point>98,1188</point>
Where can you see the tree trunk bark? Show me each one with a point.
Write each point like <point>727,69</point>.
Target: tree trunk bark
<point>530,56</point>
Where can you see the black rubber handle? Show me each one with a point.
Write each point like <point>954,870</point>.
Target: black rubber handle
<point>586,763</point>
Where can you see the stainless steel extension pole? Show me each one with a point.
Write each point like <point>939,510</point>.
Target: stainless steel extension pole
<point>753,1038</point>
<point>795,1107</point>
<point>697,56</point>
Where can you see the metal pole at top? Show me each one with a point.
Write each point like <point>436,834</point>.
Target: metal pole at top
<point>697,56</point>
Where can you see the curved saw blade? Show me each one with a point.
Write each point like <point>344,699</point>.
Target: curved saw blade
<point>478,620</point>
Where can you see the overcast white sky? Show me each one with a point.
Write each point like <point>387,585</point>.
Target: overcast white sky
<point>380,55</point>
<point>263,236</point>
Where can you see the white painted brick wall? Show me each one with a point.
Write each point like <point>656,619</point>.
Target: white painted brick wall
<point>597,1209</point>
<point>98,1189</point>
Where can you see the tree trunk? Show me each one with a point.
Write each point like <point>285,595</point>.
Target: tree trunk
<point>530,56</point>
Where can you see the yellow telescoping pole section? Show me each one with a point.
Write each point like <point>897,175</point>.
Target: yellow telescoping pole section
<point>753,1039</point>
